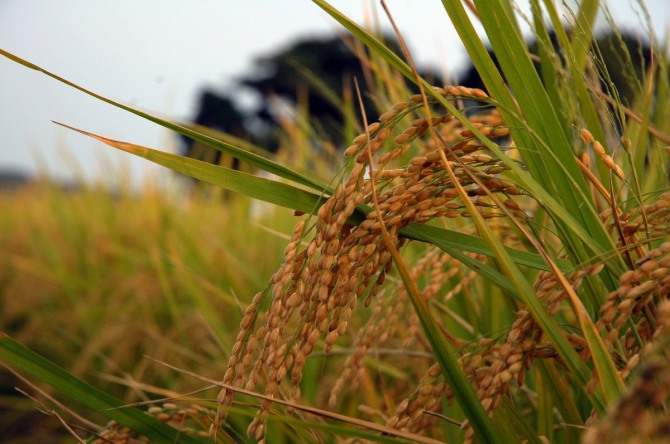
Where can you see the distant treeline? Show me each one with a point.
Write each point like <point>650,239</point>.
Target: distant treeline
<point>310,71</point>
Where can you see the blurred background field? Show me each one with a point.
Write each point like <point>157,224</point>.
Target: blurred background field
<point>94,280</point>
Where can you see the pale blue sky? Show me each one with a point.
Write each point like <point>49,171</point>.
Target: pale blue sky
<point>156,54</point>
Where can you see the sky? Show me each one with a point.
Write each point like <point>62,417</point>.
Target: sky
<point>157,55</point>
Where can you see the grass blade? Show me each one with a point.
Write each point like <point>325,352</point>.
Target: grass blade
<point>251,158</point>
<point>444,351</point>
<point>289,196</point>
<point>277,193</point>
<point>555,179</point>
<point>15,354</point>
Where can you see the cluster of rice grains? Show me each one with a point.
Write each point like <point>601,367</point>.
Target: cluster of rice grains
<point>191,421</point>
<point>339,266</point>
<point>492,366</point>
<point>641,415</point>
<point>333,266</point>
<point>635,322</point>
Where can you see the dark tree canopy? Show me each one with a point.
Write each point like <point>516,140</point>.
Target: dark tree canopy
<point>220,113</point>
<point>297,74</point>
<point>290,76</point>
<point>286,75</point>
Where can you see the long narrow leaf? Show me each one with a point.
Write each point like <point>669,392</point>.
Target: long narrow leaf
<point>251,158</point>
<point>25,360</point>
<point>289,196</point>
<point>565,404</point>
<point>267,190</point>
<point>580,236</point>
<point>544,144</point>
<point>444,352</point>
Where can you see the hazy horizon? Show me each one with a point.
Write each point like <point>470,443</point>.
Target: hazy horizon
<point>157,55</point>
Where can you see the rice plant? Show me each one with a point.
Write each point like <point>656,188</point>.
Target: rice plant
<point>486,266</point>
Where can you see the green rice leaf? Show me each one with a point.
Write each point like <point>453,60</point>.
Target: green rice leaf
<point>446,355</point>
<point>25,360</point>
<point>554,177</point>
<point>289,196</point>
<point>508,416</point>
<point>251,158</point>
<point>267,190</point>
<point>559,392</point>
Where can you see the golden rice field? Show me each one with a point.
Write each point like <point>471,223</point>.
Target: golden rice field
<point>478,266</point>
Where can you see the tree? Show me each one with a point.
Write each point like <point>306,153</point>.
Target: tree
<point>313,72</point>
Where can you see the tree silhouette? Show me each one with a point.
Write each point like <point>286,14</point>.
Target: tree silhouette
<point>289,77</point>
<point>309,73</point>
<point>220,113</point>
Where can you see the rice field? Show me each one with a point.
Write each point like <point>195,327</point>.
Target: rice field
<point>478,266</point>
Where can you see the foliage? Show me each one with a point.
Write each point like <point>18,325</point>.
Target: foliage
<point>314,78</point>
